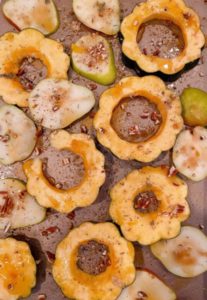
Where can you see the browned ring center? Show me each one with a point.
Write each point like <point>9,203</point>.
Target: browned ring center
<point>136,119</point>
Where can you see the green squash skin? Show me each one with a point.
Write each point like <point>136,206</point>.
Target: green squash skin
<point>194,105</point>
<point>103,79</point>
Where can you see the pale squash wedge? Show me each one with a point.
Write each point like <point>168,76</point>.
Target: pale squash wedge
<point>14,48</point>
<point>17,207</point>
<point>18,269</point>
<point>168,104</point>
<point>38,14</point>
<point>160,207</point>
<point>185,255</point>
<point>175,11</point>
<point>147,286</point>
<point>79,196</point>
<point>79,285</point>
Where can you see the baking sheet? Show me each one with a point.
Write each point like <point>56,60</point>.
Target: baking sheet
<point>70,30</point>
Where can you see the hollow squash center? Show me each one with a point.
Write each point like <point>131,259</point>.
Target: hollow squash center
<point>64,169</point>
<point>160,38</point>
<point>31,72</point>
<point>136,119</point>
<point>93,257</point>
<point>146,202</point>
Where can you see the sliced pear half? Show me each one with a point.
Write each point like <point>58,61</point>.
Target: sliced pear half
<point>92,57</point>
<point>185,255</point>
<point>56,103</point>
<point>38,14</point>
<point>100,15</point>
<point>17,135</point>
<point>190,153</point>
<point>147,286</point>
<point>17,207</point>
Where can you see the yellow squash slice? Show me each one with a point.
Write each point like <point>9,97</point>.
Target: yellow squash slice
<point>18,269</point>
<point>175,11</point>
<point>79,196</point>
<point>155,91</point>
<point>147,286</point>
<point>185,255</point>
<point>14,48</point>
<point>107,285</point>
<point>149,205</point>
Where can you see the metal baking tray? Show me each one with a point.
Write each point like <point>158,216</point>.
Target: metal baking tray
<point>44,245</point>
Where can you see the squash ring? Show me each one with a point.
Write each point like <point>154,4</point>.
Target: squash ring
<point>175,11</point>
<point>79,285</point>
<point>18,269</point>
<point>14,47</point>
<point>79,196</point>
<point>164,222</point>
<point>168,104</point>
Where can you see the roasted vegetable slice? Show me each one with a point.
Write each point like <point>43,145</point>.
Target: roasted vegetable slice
<point>58,103</point>
<point>190,152</point>
<point>194,103</point>
<point>18,269</point>
<point>101,15</point>
<point>155,92</point>
<point>147,286</point>
<point>92,57</point>
<point>99,246</point>
<point>184,255</point>
<point>38,14</point>
<point>17,207</point>
<point>149,205</point>
<point>17,135</point>
<point>15,48</point>
<point>173,11</point>
<point>81,195</point>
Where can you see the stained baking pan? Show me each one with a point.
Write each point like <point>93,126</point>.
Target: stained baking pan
<point>43,238</point>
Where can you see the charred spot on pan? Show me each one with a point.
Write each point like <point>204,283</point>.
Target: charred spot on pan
<point>93,257</point>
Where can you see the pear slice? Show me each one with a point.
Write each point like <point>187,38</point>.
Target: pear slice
<point>185,255</point>
<point>17,207</point>
<point>147,286</point>
<point>55,103</point>
<point>100,15</point>
<point>17,135</point>
<point>38,14</point>
<point>190,152</point>
<point>92,57</point>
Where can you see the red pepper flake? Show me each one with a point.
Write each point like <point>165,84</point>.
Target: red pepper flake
<point>7,206</point>
<point>71,215</point>
<point>156,52</point>
<point>141,295</point>
<point>144,51</point>
<point>39,132</point>
<point>102,130</point>
<point>187,16</point>
<point>172,171</point>
<point>179,209</point>
<point>50,230</point>
<point>4,138</point>
<point>42,297</point>
<point>50,256</point>
<point>84,129</point>
<point>92,114</point>
<point>134,130</point>
<point>92,86</point>
<point>155,117</point>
